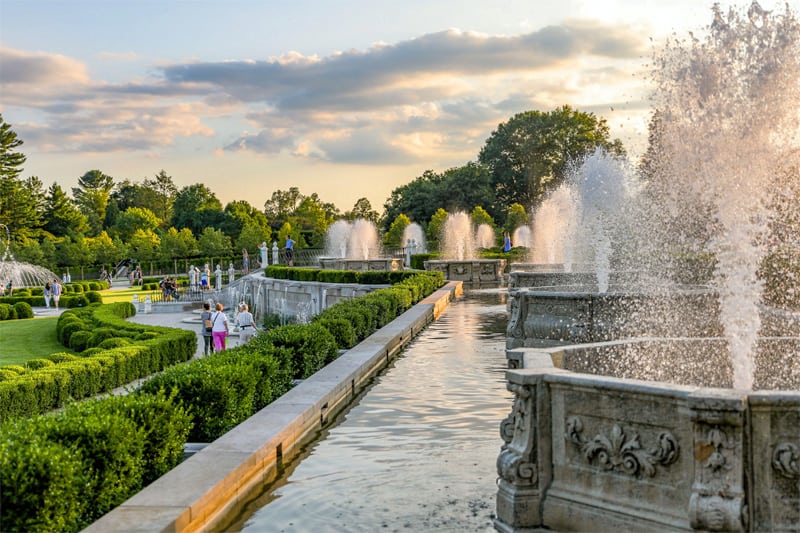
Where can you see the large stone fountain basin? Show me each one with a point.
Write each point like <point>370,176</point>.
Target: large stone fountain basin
<point>469,270</point>
<point>594,452</point>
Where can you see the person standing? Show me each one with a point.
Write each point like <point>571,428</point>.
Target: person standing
<point>219,328</point>
<point>204,274</point>
<point>56,288</point>
<point>208,339</point>
<point>247,325</point>
<point>289,248</point>
<point>47,294</point>
<point>506,242</point>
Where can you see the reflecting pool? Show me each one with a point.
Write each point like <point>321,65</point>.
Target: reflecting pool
<point>416,451</point>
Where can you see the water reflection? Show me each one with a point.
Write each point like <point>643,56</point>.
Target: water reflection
<point>417,451</point>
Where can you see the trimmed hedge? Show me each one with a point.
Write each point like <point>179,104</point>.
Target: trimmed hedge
<point>109,365</point>
<point>61,472</point>
<point>78,298</point>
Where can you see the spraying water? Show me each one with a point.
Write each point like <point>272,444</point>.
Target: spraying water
<point>20,274</point>
<point>336,239</point>
<point>458,237</point>
<point>553,229</point>
<point>523,236</point>
<point>727,119</point>
<point>414,232</point>
<point>484,236</point>
<point>352,240</point>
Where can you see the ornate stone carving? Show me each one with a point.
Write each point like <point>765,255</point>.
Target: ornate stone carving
<point>516,464</point>
<point>786,460</point>
<point>518,315</point>
<point>623,452</point>
<point>718,444</point>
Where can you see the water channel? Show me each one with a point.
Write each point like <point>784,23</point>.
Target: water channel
<point>417,450</point>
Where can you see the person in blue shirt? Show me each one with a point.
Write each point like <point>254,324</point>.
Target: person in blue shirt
<point>506,242</point>
<point>290,250</point>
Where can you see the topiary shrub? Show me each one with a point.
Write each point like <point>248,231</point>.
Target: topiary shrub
<point>65,330</point>
<point>7,374</point>
<point>17,369</point>
<point>5,311</point>
<point>79,300</point>
<point>60,357</point>
<point>41,482</point>
<point>23,310</point>
<point>115,342</point>
<point>79,340</point>
<point>311,346</point>
<point>94,297</point>
<point>35,364</point>
<point>101,334</point>
<point>342,331</point>
<point>94,286</point>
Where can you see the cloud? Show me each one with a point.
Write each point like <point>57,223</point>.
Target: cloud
<point>431,99</point>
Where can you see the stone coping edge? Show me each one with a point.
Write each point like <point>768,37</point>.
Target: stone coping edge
<point>200,492</point>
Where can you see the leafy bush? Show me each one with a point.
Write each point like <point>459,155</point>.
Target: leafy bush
<point>41,481</point>
<point>79,340</point>
<point>94,297</point>
<point>5,311</point>
<point>101,334</point>
<point>115,342</point>
<point>310,347</point>
<point>341,329</point>
<point>60,357</point>
<point>23,310</point>
<point>17,369</point>
<point>35,364</point>
<point>7,374</point>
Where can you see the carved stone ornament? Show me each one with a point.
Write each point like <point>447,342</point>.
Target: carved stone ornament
<point>718,442</point>
<point>519,313</point>
<point>515,462</point>
<point>786,460</point>
<point>623,452</point>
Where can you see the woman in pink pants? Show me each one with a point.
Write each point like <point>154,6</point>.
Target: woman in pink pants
<point>219,328</point>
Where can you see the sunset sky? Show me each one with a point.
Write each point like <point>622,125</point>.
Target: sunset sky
<point>348,99</point>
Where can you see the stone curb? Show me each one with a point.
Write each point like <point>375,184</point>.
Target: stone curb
<point>200,492</point>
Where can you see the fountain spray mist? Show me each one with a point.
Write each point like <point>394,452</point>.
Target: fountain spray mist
<point>727,110</point>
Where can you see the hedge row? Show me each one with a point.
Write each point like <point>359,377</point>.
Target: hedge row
<point>224,389</point>
<point>67,301</point>
<point>19,310</point>
<point>364,277</point>
<point>111,352</point>
<point>61,472</point>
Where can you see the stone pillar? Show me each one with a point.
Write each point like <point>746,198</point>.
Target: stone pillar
<point>523,465</point>
<point>718,500</point>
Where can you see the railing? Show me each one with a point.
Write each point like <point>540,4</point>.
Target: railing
<point>182,294</point>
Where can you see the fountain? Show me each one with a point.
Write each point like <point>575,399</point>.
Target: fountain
<point>414,233</point>
<point>484,236</point>
<point>459,260</point>
<point>20,274</point>
<point>686,418</point>
<point>522,236</point>
<point>355,246</point>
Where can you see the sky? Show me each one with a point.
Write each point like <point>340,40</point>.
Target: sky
<point>347,99</point>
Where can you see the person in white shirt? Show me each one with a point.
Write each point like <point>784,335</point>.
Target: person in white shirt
<point>219,328</point>
<point>247,325</point>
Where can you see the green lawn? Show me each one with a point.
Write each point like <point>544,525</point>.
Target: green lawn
<point>21,340</point>
<point>125,295</point>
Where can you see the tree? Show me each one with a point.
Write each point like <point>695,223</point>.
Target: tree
<point>144,245</point>
<point>480,216</point>
<point>362,209</point>
<point>238,214</point>
<point>282,205</point>
<point>436,224</point>
<point>252,235</point>
<point>92,195</point>
<point>176,243</point>
<point>463,188</point>
<point>517,217</point>
<point>418,199</point>
<point>135,218</point>
<point>196,208</point>
<point>11,160</point>
<point>394,237</point>
<point>162,192</point>
<point>528,156</point>
<point>214,243</point>
<point>62,216</point>
<point>312,218</point>
<point>105,249</point>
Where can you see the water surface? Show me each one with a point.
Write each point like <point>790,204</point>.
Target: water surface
<point>417,451</point>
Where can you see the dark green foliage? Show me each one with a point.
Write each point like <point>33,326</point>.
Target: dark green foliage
<point>310,345</point>
<point>114,342</point>
<point>79,340</point>
<point>342,331</point>
<point>98,335</point>
<point>35,364</point>
<point>41,482</point>
<point>94,297</point>
<point>5,311</point>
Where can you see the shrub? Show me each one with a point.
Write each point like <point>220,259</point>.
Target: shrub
<point>94,297</point>
<point>101,334</point>
<point>114,343</point>
<point>342,331</point>
<point>35,364</point>
<point>7,374</point>
<point>65,330</point>
<point>60,357</point>
<point>41,481</point>
<point>310,345</point>
<point>23,310</point>
<point>5,311</point>
<point>79,340</point>
<point>17,369</point>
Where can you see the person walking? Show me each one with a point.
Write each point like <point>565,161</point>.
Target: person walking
<point>48,292</point>
<point>208,338</point>
<point>247,325</point>
<point>289,250</point>
<point>219,328</point>
<point>56,288</point>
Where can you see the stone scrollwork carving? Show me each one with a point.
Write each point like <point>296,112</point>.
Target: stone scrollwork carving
<point>518,315</point>
<point>515,463</point>
<point>621,452</point>
<point>786,460</point>
<point>719,443</point>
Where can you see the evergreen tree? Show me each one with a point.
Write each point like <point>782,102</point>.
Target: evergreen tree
<point>92,195</point>
<point>62,216</point>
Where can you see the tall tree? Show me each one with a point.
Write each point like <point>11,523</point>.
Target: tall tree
<point>162,195</point>
<point>528,156</point>
<point>282,205</point>
<point>196,208</point>
<point>394,237</point>
<point>92,195</point>
<point>62,216</point>
<point>16,209</point>
<point>362,209</point>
